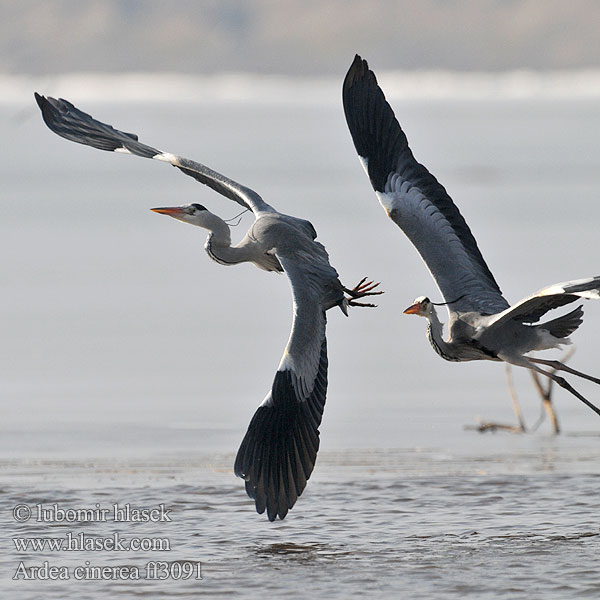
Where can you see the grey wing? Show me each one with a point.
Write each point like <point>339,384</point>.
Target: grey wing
<point>69,122</point>
<point>415,200</point>
<point>534,307</point>
<point>279,450</point>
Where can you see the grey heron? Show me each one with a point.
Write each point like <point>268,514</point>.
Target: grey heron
<point>482,325</point>
<point>278,452</point>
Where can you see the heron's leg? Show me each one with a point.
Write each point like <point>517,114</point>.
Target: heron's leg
<point>360,290</point>
<point>547,406</point>
<point>522,361</point>
<point>567,386</point>
<point>526,362</point>
<point>546,394</point>
<point>515,401</point>
<point>558,366</point>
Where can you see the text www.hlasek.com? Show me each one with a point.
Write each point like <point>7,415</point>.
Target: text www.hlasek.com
<point>83,542</point>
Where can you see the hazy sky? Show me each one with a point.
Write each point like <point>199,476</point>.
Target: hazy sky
<point>296,36</point>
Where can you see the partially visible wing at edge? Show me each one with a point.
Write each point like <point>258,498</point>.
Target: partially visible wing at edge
<point>534,307</point>
<point>415,200</point>
<point>69,122</point>
<point>279,450</point>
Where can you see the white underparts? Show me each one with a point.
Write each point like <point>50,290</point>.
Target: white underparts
<point>546,341</point>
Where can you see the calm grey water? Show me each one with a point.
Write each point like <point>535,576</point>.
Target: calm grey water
<point>130,364</point>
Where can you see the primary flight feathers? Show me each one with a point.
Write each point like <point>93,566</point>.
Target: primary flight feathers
<point>482,324</point>
<point>279,450</point>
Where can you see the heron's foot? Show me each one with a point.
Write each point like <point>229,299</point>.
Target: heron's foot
<point>360,290</point>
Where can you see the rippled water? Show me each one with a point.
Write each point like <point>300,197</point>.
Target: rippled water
<point>422,524</point>
<point>130,365</point>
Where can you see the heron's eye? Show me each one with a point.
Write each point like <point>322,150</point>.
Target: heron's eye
<point>197,207</point>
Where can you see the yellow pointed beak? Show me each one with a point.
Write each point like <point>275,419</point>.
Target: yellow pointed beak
<point>413,309</point>
<point>172,211</point>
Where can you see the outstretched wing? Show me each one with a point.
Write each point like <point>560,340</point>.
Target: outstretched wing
<point>69,122</point>
<point>279,450</point>
<point>534,307</point>
<point>415,200</point>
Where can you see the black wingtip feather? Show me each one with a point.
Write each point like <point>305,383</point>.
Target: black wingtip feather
<point>67,121</point>
<point>357,69</point>
<point>279,451</point>
<point>375,131</point>
<point>379,139</point>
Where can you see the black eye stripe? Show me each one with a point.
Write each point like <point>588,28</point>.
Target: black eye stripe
<point>198,206</point>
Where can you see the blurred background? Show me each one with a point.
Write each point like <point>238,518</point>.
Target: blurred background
<point>131,364</point>
<point>299,37</point>
<point>112,311</point>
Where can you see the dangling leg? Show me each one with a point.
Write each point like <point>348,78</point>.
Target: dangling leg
<point>515,401</point>
<point>558,366</point>
<point>546,394</point>
<point>547,406</point>
<point>523,361</point>
<point>360,290</point>
<point>567,386</point>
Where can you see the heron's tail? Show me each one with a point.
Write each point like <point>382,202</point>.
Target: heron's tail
<point>564,326</point>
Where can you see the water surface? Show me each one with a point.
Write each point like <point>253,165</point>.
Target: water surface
<point>131,364</point>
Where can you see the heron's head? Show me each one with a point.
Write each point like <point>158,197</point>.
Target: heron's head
<point>195,214</point>
<point>421,306</point>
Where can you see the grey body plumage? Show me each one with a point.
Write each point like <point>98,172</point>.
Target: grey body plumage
<point>482,325</point>
<point>279,450</point>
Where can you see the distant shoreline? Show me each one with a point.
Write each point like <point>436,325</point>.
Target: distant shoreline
<point>147,87</point>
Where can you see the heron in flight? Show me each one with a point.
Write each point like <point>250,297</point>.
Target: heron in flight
<point>279,450</point>
<point>482,324</point>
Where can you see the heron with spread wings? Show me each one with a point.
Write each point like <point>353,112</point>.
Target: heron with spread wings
<point>278,452</point>
<point>482,324</point>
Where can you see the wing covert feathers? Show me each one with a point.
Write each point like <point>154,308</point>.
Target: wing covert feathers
<point>532,308</point>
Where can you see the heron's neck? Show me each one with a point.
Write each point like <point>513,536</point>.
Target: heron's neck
<point>435,335</point>
<point>218,243</point>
